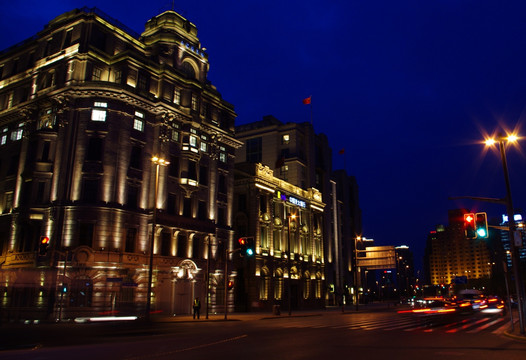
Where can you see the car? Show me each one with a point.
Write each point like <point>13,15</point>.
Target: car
<point>492,305</point>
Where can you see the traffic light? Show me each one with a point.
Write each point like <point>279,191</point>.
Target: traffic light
<point>246,246</point>
<point>230,285</point>
<point>469,226</point>
<point>481,225</point>
<point>250,247</point>
<point>43,245</point>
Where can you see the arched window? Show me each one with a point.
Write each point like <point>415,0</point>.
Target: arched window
<point>278,285</point>
<point>188,70</point>
<point>264,284</point>
<point>306,285</point>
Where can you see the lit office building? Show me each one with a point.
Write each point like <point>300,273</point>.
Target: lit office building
<point>286,223</point>
<point>299,156</point>
<point>85,105</point>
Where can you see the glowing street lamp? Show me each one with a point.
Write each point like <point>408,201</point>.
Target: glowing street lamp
<point>501,140</point>
<point>157,162</point>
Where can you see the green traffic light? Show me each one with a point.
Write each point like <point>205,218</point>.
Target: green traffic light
<point>250,252</point>
<point>481,232</point>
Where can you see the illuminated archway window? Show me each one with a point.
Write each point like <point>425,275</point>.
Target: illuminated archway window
<point>278,285</point>
<point>306,285</point>
<point>264,284</point>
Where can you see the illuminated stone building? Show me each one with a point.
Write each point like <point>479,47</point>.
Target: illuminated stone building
<point>84,106</point>
<point>299,156</point>
<point>283,219</point>
<point>450,256</point>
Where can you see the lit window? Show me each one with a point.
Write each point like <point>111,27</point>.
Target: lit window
<point>117,76</point>
<point>193,140</point>
<point>17,134</point>
<point>194,102</point>
<point>285,139</point>
<point>98,113</point>
<point>3,139</point>
<point>175,135</point>
<point>138,122</point>
<point>222,154</point>
<point>203,146</point>
<point>177,96</point>
<point>96,75</point>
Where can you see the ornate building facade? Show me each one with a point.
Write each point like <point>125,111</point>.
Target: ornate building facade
<point>85,105</point>
<point>286,222</point>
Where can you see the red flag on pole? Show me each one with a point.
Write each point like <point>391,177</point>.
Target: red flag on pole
<point>306,101</point>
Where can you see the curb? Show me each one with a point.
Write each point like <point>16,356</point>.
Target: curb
<point>513,336</point>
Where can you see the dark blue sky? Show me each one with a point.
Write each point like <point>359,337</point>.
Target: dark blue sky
<point>406,87</point>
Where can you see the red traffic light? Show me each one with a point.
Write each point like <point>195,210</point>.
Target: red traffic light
<point>469,226</point>
<point>242,241</point>
<point>44,240</point>
<point>230,285</point>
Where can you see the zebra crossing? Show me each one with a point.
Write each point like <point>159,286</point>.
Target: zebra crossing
<point>471,325</point>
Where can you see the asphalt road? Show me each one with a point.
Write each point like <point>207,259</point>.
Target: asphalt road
<point>362,335</point>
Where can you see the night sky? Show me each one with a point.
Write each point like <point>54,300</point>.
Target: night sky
<point>407,88</point>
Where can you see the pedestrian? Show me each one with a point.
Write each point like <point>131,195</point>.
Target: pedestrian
<point>197,307</point>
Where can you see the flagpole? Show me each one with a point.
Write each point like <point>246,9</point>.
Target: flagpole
<point>311,112</point>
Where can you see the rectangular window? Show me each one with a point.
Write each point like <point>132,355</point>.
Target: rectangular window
<point>131,235</point>
<point>3,139</point>
<point>17,134</point>
<point>96,74</point>
<point>222,154</point>
<point>117,76</point>
<point>193,141</point>
<point>175,135</point>
<point>203,147</point>
<point>8,202</point>
<point>138,121</point>
<point>95,145</point>
<point>203,175</point>
<point>194,102</point>
<point>177,96</point>
<point>136,157</point>
<point>86,234</point>
<point>254,150</point>
<point>98,113</point>
<point>285,139</point>
<point>173,167</point>
<point>90,190</point>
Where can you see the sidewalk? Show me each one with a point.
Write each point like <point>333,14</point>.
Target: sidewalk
<point>349,309</point>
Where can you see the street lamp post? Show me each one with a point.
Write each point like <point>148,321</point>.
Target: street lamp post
<point>157,162</point>
<point>511,228</point>
<point>356,269</point>
<point>291,216</point>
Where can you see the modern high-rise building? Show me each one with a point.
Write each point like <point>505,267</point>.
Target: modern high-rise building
<point>405,271</point>
<point>451,258</point>
<point>85,105</point>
